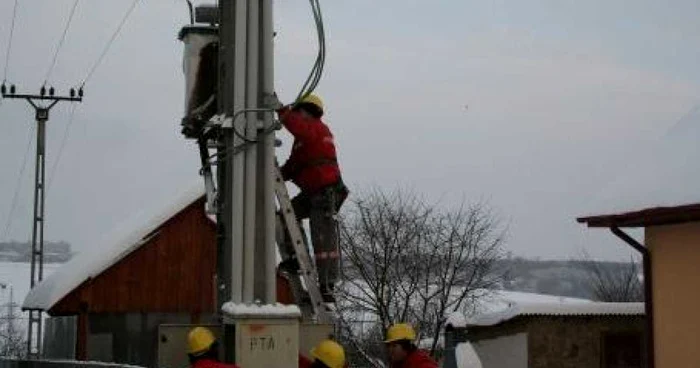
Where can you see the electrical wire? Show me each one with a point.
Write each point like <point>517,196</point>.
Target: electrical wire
<point>66,132</point>
<point>60,41</point>
<point>110,42</point>
<point>13,204</point>
<point>308,87</point>
<point>9,42</point>
<point>316,72</point>
<point>312,80</point>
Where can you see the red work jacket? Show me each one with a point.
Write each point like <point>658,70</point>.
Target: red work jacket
<point>313,163</point>
<point>417,359</point>
<point>211,363</point>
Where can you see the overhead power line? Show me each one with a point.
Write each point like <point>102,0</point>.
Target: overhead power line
<point>9,41</point>
<point>60,41</point>
<point>110,42</point>
<point>66,132</point>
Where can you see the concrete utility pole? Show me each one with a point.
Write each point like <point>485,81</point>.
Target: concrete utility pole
<point>37,268</point>
<point>246,191</point>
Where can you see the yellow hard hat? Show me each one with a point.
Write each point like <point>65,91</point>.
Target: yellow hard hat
<point>330,353</point>
<point>400,331</point>
<point>199,340</point>
<point>314,100</point>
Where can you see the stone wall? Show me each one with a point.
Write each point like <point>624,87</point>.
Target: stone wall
<point>574,342</point>
<point>563,341</point>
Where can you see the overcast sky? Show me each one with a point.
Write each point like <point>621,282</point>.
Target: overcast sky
<point>533,106</point>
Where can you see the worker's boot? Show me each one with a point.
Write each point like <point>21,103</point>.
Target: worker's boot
<point>290,265</point>
<point>327,293</point>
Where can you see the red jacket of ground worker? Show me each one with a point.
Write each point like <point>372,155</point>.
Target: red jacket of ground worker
<point>312,165</point>
<point>211,363</point>
<point>305,362</point>
<point>417,359</point>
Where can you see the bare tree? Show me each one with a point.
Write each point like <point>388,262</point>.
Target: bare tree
<point>614,282</point>
<point>13,341</point>
<point>405,260</point>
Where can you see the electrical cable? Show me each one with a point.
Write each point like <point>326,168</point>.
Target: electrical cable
<point>60,41</point>
<point>9,42</point>
<point>13,204</point>
<point>66,132</point>
<point>109,43</point>
<point>307,88</point>
<point>191,9</point>
<point>316,72</point>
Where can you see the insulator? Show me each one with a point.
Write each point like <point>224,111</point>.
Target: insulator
<point>12,89</point>
<point>80,92</point>
<point>72,92</point>
<point>51,91</point>
<point>3,89</point>
<point>42,91</point>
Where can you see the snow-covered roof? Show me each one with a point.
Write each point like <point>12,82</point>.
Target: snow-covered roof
<point>557,309</point>
<point>665,174</point>
<point>120,242</point>
<point>497,301</point>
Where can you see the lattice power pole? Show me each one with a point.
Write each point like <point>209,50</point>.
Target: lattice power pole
<point>42,104</point>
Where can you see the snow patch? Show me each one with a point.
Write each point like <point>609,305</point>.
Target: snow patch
<point>466,356</point>
<point>556,309</point>
<point>456,320</point>
<point>261,310</point>
<point>79,363</point>
<point>111,249</point>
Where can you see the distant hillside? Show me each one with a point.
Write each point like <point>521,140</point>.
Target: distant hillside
<point>54,252</point>
<point>565,278</point>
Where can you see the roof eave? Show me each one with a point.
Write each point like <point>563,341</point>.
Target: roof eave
<point>656,216</point>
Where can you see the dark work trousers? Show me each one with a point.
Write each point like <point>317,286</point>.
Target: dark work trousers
<point>321,209</point>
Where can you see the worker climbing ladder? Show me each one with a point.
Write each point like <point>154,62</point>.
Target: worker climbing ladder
<point>297,248</point>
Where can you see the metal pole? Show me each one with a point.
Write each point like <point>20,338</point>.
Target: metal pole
<point>268,148</point>
<point>238,160</point>
<point>250,154</point>
<point>224,274</point>
<point>37,267</point>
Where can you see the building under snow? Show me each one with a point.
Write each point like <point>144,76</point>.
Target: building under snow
<point>111,303</point>
<point>552,335</point>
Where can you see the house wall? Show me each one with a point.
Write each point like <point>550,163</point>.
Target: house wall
<point>131,338</point>
<point>575,342</point>
<point>553,341</point>
<point>173,272</point>
<point>675,263</point>
<point>505,351</point>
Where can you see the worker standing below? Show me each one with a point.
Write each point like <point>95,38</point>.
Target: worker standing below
<point>313,167</point>
<point>203,349</point>
<point>327,354</point>
<point>403,352</point>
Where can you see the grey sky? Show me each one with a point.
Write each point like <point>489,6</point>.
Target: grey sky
<point>560,95</point>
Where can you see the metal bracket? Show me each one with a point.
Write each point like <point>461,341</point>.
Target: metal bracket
<point>219,121</point>
<point>271,101</point>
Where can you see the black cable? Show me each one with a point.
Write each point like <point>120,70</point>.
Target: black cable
<point>60,41</point>
<point>9,42</point>
<point>66,132</point>
<point>110,42</point>
<point>13,205</point>
<point>191,9</point>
